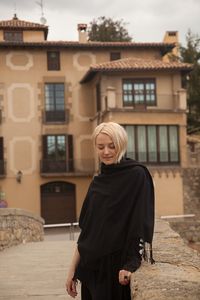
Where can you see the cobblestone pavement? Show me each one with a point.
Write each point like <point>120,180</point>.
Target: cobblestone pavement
<point>36,271</point>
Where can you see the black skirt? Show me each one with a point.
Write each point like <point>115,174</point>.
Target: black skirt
<point>101,280</point>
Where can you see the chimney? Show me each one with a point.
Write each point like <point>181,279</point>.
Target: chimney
<point>82,33</point>
<point>172,37</point>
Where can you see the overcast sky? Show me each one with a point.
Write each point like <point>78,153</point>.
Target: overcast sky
<point>147,20</point>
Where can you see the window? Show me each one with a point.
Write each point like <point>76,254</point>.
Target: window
<point>139,92</point>
<point>53,60</point>
<point>54,102</point>
<point>153,144</point>
<point>13,36</point>
<point>115,56</point>
<point>57,153</point>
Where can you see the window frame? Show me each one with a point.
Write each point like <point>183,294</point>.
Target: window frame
<point>14,35</point>
<point>145,102</point>
<point>115,55</point>
<point>158,160</point>
<point>68,162</point>
<point>52,113</point>
<point>53,64</point>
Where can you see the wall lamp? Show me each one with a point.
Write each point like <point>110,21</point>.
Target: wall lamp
<point>19,176</point>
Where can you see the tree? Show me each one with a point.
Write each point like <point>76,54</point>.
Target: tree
<point>191,54</point>
<point>107,30</point>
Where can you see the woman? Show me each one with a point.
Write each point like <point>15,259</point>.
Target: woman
<point>116,220</point>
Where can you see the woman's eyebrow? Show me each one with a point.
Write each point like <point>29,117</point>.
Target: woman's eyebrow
<point>105,144</point>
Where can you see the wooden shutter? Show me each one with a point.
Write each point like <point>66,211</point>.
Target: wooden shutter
<point>1,148</point>
<point>44,147</point>
<point>70,152</point>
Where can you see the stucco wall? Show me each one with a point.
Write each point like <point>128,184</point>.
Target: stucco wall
<point>19,226</point>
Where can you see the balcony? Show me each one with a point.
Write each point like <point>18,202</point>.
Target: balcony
<point>56,116</point>
<point>77,166</point>
<point>2,168</point>
<point>164,101</point>
<point>56,166</point>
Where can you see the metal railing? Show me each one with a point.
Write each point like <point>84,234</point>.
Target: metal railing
<point>67,166</point>
<point>56,116</point>
<point>73,228</point>
<point>56,166</point>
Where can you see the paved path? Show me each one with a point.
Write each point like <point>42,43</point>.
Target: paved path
<point>36,271</point>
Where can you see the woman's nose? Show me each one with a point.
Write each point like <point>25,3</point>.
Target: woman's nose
<point>106,150</point>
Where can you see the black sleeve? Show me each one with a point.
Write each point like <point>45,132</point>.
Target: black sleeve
<point>134,256</point>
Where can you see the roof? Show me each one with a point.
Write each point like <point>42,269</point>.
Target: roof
<point>134,64</point>
<point>162,47</point>
<point>16,23</point>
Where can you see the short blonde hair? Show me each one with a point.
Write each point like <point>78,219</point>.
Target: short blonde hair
<point>117,134</point>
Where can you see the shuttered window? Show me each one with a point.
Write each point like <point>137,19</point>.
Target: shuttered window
<point>57,153</point>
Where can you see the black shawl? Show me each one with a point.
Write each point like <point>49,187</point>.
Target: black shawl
<point>119,207</point>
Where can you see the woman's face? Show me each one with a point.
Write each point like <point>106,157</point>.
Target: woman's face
<point>106,149</point>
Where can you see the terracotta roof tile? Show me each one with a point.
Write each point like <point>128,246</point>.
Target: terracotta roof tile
<point>139,64</point>
<point>134,64</point>
<point>162,47</point>
<point>17,23</point>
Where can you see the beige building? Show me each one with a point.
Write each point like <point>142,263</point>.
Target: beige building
<point>53,94</point>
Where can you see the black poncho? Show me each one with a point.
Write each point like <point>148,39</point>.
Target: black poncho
<point>118,209</point>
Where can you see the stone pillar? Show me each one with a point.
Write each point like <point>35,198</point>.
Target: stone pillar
<point>111,97</point>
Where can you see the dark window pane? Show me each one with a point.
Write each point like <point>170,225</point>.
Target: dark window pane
<point>13,36</point>
<point>115,55</point>
<point>51,146</point>
<point>53,60</point>
<point>54,102</point>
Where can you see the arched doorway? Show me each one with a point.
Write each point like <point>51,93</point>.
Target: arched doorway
<point>58,204</point>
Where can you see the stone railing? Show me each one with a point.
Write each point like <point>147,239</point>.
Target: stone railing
<point>19,226</point>
<point>188,228</point>
<point>176,273</point>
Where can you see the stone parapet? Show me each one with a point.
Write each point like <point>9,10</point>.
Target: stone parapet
<point>176,273</point>
<point>19,226</point>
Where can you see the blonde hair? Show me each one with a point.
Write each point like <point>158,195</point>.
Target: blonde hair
<point>117,134</point>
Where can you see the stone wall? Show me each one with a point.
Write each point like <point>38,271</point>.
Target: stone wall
<point>19,226</point>
<point>176,273</point>
<point>189,228</point>
<point>191,191</point>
